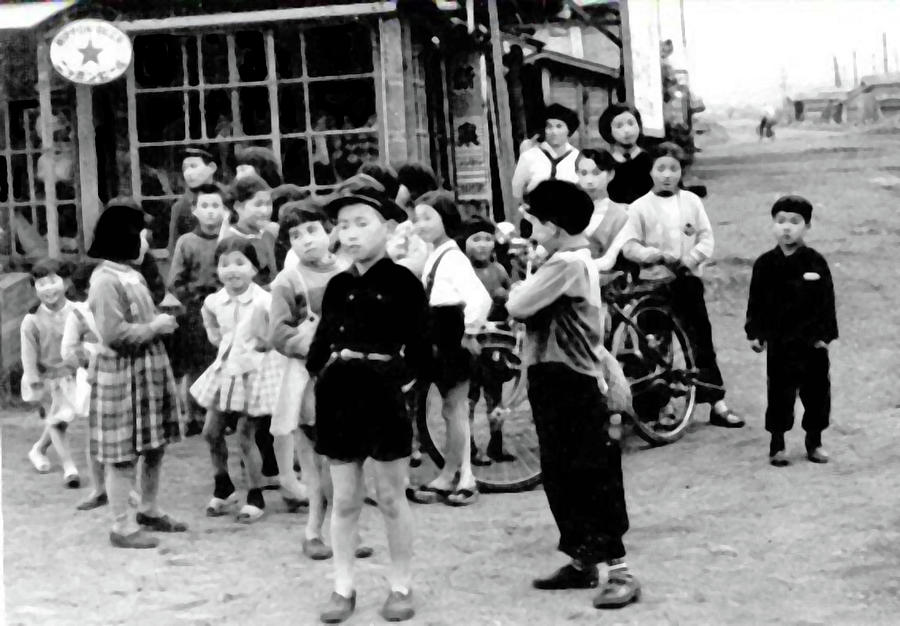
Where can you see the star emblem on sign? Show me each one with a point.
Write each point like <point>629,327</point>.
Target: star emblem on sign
<point>90,53</point>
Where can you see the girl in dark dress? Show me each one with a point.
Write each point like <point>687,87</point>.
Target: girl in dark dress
<point>620,126</point>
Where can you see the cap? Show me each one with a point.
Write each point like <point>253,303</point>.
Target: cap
<point>363,189</point>
<point>566,115</point>
<point>794,204</point>
<point>197,152</point>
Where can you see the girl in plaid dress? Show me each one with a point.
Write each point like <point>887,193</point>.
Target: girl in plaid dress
<point>243,382</point>
<point>133,395</point>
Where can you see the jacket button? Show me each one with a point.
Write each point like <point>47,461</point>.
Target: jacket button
<point>341,329</point>
<point>350,297</point>
<point>378,296</point>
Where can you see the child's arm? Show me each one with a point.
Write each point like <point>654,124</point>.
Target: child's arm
<point>109,316</point>
<point>211,323</point>
<point>320,348</point>
<point>631,243</point>
<point>827,310</point>
<point>180,273</point>
<point>284,318</point>
<point>71,349</point>
<point>755,325</point>
<point>31,351</point>
<point>705,242</point>
<point>541,289</point>
<point>475,297</point>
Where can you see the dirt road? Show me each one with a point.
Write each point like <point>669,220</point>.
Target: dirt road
<point>718,536</point>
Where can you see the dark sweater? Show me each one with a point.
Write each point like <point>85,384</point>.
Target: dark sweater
<point>193,274</point>
<point>791,299</point>
<point>632,179</point>
<point>181,219</point>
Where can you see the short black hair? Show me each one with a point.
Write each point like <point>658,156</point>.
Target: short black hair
<point>212,189</point>
<point>288,192</point>
<point>117,233</point>
<point>444,204</point>
<point>793,204</point>
<point>417,177</point>
<point>47,266</point>
<point>602,158</point>
<point>81,279</point>
<point>604,122</point>
<point>294,214</point>
<point>669,149</point>
<point>201,153</point>
<point>384,174</point>
<point>238,244</point>
<point>263,161</point>
<point>245,188</point>
<point>561,203</point>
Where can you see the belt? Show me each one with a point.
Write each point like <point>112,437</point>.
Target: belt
<point>352,355</point>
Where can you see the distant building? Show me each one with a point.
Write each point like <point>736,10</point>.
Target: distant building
<point>819,105</point>
<point>876,97</point>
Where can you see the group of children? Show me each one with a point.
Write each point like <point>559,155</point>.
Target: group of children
<point>305,324</point>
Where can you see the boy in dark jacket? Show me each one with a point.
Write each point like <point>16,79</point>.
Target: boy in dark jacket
<point>791,315</point>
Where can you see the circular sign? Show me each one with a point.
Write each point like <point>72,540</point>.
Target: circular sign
<point>90,52</point>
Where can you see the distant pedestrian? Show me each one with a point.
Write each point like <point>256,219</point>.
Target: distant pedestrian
<point>791,315</point>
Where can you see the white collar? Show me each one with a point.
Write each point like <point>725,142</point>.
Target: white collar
<point>244,298</point>
<point>564,150</point>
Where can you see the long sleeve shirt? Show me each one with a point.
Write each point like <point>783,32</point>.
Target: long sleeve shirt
<point>791,298</point>
<point>456,283</point>
<point>535,166</point>
<point>193,274</point>
<point>41,334</point>
<point>382,311</point>
<point>238,326</point>
<point>676,225</point>
<point>290,305</point>
<point>606,223</point>
<point>562,308</point>
<point>122,306</point>
<point>80,338</point>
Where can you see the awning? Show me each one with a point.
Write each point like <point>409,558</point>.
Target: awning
<point>571,63</point>
<point>29,14</point>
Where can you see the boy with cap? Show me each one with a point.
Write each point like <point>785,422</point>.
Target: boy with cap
<point>791,315</point>
<point>198,168</point>
<point>369,347</point>
<point>581,464</point>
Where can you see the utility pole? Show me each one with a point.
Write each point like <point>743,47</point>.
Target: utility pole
<point>837,71</point>
<point>884,50</point>
<point>855,71</point>
<point>505,156</point>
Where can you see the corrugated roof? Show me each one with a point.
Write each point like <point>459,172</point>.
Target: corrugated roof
<point>873,80</point>
<point>30,14</point>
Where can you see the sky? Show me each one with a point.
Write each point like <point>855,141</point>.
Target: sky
<point>740,50</point>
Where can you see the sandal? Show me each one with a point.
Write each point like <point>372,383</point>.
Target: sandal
<point>462,497</point>
<point>93,501</point>
<point>725,419</point>
<point>618,592</point>
<point>218,507</point>
<point>426,494</point>
<point>249,514</point>
<point>39,460</point>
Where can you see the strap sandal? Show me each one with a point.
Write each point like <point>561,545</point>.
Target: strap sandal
<point>316,549</point>
<point>161,524</point>
<point>93,501</point>
<point>218,507</point>
<point>463,497</point>
<point>426,494</point>
<point>618,592</point>
<point>39,460</point>
<point>725,419</point>
<point>667,421</point>
<point>139,540</point>
<point>249,514</point>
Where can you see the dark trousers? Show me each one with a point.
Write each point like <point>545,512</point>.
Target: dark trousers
<point>486,378</point>
<point>581,465</point>
<point>793,370</point>
<point>689,306</point>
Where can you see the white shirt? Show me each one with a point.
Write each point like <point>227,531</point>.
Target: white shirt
<point>455,282</point>
<point>534,167</point>
<point>676,225</point>
<point>238,326</point>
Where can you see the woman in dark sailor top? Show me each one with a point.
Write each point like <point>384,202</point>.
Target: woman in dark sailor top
<point>620,126</point>
<point>369,347</point>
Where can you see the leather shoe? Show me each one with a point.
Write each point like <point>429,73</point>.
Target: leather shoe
<point>568,577</point>
<point>398,607</point>
<point>339,608</point>
<point>817,455</point>
<point>162,524</point>
<point>779,459</point>
<point>316,549</point>
<point>619,591</point>
<point>138,540</point>
<point>726,419</point>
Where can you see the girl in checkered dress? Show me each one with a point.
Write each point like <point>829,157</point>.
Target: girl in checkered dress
<point>243,382</point>
<point>133,395</point>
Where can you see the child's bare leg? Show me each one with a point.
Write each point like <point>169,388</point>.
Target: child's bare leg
<point>347,503</point>
<point>150,469</point>
<point>397,520</point>
<point>44,441</point>
<point>252,511</point>
<point>314,475</point>
<point>214,434</point>
<point>60,441</point>
<point>284,456</point>
<point>457,451</point>
<point>119,480</point>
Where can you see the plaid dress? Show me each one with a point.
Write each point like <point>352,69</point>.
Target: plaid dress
<point>133,394</point>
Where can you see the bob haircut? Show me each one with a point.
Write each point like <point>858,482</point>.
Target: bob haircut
<point>245,188</point>
<point>604,123</point>
<point>417,177</point>
<point>602,158</point>
<point>263,161</point>
<point>295,214</point>
<point>384,174</point>
<point>117,234</point>
<point>213,189</point>
<point>238,244</point>
<point>46,267</point>
<point>669,149</point>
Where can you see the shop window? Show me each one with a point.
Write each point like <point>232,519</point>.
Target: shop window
<point>316,108</point>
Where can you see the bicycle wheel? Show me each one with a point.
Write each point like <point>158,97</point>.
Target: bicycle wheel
<point>657,359</point>
<point>517,427</point>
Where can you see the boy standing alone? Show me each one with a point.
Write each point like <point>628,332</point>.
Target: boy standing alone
<point>791,315</point>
